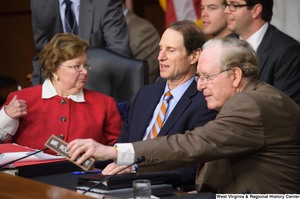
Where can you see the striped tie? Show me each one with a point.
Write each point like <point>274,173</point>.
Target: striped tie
<point>70,20</point>
<point>160,117</point>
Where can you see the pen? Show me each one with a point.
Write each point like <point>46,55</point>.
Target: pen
<point>86,172</point>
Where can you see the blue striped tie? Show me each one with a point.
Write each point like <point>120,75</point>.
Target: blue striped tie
<point>70,20</point>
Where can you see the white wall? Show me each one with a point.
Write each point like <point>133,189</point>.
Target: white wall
<point>286,17</point>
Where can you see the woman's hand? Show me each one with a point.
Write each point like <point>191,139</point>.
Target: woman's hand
<point>16,108</point>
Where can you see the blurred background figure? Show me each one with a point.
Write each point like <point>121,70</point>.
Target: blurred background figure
<point>100,23</point>
<point>144,40</point>
<point>61,106</point>
<point>214,23</point>
<point>279,54</point>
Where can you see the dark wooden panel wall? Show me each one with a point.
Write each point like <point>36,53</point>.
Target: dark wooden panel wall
<point>16,40</point>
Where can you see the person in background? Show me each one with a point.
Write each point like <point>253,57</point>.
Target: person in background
<point>100,23</point>
<point>180,47</point>
<point>279,54</point>
<point>213,18</point>
<point>251,147</point>
<point>144,39</point>
<point>61,106</point>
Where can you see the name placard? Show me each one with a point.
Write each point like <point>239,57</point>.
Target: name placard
<point>59,146</point>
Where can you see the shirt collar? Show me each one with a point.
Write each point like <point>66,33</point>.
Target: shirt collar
<point>257,37</point>
<point>125,11</point>
<point>76,2</point>
<point>48,91</point>
<point>179,90</point>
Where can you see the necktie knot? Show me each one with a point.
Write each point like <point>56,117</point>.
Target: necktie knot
<point>168,96</point>
<point>68,3</point>
<point>70,19</point>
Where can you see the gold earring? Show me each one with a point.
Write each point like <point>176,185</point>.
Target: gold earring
<point>56,78</point>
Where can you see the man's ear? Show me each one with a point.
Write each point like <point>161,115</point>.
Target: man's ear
<point>237,76</point>
<point>195,56</point>
<point>256,11</point>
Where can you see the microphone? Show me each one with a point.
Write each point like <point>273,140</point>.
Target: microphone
<point>21,158</point>
<point>138,160</point>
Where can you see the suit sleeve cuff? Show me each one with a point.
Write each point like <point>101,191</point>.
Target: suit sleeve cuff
<point>125,154</point>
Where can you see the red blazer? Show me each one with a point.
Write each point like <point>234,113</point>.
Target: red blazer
<point>97,118</point>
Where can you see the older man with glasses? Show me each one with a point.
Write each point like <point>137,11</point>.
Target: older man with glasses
<point>279,54</point>
<point>251,147</point>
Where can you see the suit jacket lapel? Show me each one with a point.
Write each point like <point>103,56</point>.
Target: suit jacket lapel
<point>263,48</point>
<point>183,103</point>
<point>151,100</point>
<point>85,23</point>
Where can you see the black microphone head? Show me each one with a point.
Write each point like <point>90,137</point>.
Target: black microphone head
<point>140,159</point>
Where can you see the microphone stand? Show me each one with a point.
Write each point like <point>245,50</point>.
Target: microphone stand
<point>137,161</point>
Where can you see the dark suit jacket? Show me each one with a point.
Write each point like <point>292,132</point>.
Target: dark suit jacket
<point>279,62</point>
<point>191,111</point>
<point>101,23</point>
<point>251,147</point>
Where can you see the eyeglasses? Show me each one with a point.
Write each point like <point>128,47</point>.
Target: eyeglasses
<point>232,7</point>
<point>80,67</point>
<point>207,78</point>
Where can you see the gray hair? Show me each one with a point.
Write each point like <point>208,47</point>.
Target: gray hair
<point>236,53</point>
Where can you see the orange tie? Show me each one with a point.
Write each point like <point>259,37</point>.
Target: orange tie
<point>160,117</point>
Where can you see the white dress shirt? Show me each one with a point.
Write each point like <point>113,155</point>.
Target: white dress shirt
<point>257,37</point>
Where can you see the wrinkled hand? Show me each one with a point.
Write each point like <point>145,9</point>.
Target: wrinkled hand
<point>113,168</point>
<point>16,108</point>
<point>90,148</point>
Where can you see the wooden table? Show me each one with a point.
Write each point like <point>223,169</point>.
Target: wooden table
<point>15,187</point>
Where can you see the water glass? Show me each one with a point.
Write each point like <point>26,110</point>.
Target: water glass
<point>141,189</point>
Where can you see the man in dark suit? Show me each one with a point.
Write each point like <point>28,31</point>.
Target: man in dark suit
<point>279,54</point>
<point>101,23</point>
<point>187,109</point>
<point>251,147</point>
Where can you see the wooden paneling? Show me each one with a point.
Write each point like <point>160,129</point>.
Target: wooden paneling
<point>16,40</point>
<point>152,11</point>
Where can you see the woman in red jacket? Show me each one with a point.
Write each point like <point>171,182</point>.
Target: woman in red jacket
<point>61,106</point>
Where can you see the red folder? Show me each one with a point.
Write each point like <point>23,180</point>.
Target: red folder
<point>12,147</point>
<point>15,148</point>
